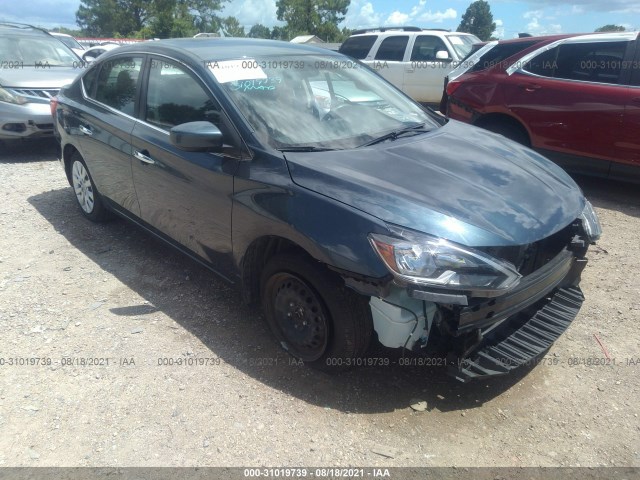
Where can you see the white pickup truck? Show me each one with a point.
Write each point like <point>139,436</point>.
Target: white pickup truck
<point>414,60</point>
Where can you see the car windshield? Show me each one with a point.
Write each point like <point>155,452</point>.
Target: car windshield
<point>316,101</point>
<point>30,50</point>
<point>462,43</point>
<point>69,42</point>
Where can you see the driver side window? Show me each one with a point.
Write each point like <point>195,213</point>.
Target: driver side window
<point>174,96</point>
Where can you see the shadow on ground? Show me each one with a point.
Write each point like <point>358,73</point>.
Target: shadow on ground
<point>610,194</point>
<point>25,151</point>
<point>213,311</point>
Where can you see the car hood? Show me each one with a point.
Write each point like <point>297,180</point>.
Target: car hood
<point>42,77</point>
<point>459,182</point>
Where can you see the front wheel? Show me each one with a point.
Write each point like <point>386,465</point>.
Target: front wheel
<point>87,195</point>
<point>313,315</point>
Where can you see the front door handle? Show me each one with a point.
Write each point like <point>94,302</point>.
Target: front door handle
<point>85,130</point>
<point>144,158</point>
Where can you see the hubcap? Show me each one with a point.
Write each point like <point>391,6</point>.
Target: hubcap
<point>300,317</point>
<point>82,186</point>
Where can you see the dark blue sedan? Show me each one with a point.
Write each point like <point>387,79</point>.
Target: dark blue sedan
<point>349,211</point>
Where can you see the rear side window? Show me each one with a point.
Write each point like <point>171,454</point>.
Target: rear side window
<point>358,47</point>
<point>599,62</point>
<point>498,54</point>
<point>175,97</point>
<point>118,83</point>
<point>392,48</point>
<point>425,48</point>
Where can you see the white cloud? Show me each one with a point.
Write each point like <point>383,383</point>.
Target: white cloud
<point>361,15</point>
<point>536,27</point>
<point>419,16</point>
<point>42,13</point>
<point>499,31</point>
<point>438,17</point>
<point>252,12</point>
<point>608,6</point>
<point>397,18</point>
<point>533,14</point>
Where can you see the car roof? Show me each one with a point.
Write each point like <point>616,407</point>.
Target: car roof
<point>212,49</point>
<point>8,28</point>
<point>387,31</point>
<point>575,37</point>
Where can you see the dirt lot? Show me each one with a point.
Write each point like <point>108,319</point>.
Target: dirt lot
<point>71,291</point>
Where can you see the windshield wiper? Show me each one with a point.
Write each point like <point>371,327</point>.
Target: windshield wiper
<point>305,148</point>
<point>414,129</point>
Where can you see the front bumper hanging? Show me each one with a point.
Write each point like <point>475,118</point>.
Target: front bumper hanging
<point>524,345</point>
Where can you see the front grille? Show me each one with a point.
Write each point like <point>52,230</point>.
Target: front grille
<point>529,258</point>
<point>36,92</point>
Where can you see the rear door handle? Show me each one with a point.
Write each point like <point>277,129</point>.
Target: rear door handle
<point>530,87</point>
<point>143,157</point>
<point>85,130</point>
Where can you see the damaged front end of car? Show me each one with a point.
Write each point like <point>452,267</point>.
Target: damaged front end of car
<point>488,310</point>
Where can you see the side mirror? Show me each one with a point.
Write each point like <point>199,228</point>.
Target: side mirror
<point>442,55</point>
<point>196,136</point>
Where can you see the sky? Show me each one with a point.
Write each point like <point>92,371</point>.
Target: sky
<point>537,17</point>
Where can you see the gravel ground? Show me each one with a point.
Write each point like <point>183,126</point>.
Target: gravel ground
<point>71,290</point>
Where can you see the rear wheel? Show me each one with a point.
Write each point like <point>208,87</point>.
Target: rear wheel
<point>512,131</point>
<point>313,315</point>
<point>87,195</point>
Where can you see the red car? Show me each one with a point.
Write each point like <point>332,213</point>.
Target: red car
<point>573,98</point>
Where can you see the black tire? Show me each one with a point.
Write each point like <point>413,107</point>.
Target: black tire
<point>313,315</point>
<point>510,130</point>
<point>86,193</point>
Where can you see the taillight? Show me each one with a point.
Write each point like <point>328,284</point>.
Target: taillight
<point>452,86</point>
<point>53,104</point>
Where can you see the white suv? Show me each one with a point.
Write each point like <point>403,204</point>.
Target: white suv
<point>414,60</point>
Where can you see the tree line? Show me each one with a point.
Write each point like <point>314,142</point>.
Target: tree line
<point>184,18</point>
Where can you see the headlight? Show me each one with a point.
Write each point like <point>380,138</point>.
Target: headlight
<point>7,96</point>
<point>591,223</point>
<point>430,261</point>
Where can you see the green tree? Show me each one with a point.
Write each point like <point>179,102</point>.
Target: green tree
<point>279,33</point>
<point>231,28</point>
<point>149,18</point>
<point>205,14</point>
<point>478,20</point>
<point>68,31</point>
<point>97,18</point>
<point>611,28</point>
<point>313,17</point>
<point>259,31</point>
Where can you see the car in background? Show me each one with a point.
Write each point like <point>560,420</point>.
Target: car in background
<point>33,67</point>
<point>91,53</point>
<point>375,220</point>
<point>70,42</point>
<point>414,60</point>
<point>340,90</point>
<point>573,98</point>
